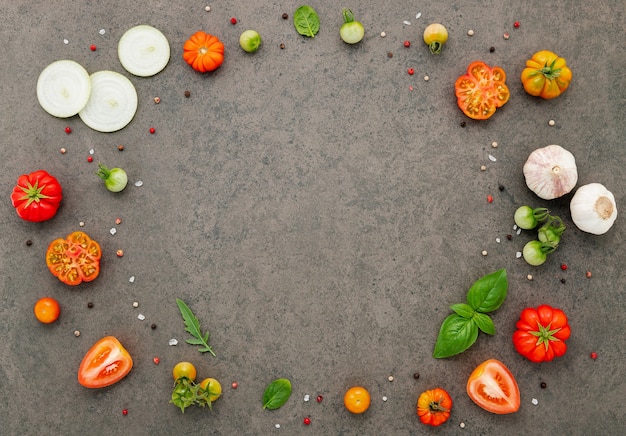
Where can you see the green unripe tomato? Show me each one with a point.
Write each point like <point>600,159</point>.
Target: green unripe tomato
<point>250,41</point>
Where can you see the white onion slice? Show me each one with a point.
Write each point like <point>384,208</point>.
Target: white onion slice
<point>63,88</point>
<point>143,51</point>
<point>112,104</point>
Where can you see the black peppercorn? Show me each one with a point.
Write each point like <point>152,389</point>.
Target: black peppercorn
<point>463,123</point>
<point>416,375</point>
<point>543,385</point>
<point>90,305</point>
<point>29,242</point>
<point>509,237</point>
<point>153,326</point>
<point>492,49</point>
<point>501,188</point>
<point>562,280</point>
<point>285,16</point>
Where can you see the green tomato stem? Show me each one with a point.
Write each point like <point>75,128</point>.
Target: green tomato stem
<point>103,172</point>
<point>435,47</point>
<point>348,16</point>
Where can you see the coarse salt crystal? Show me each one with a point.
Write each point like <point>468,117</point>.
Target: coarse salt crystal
<point>307,397</point>
<point>385,398</point>
<point>138,183</point>
<point>498,240</point>
<point>141,317</point>
<point>102,31</point>
<point>492,158</point>
<point>518,254</point>
<point>419,14</point>
<point>408,23</point>
<point>113,231</point>
<point>172,342</point>
<point>514,226</point>
<point>518,231</point>
<point>92,151</point>
<point>132,279</point>
<point>277,425</point>
<point>534,401</point>
<point>65,41</point>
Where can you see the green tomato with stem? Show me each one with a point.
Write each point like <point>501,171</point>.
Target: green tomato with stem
<point>115,179</point>
<point>351,31</point>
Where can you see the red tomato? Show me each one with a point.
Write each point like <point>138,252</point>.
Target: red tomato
<point>105,363</point>
<point>37,196</point>
<point>47,310</point>
<point>541,333</point>
<point>75,259</point>
<point>492,386</point>
<point>433,406</point>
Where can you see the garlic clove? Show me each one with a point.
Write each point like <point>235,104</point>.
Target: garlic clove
<point>593,209</point>
<point>550,172</point>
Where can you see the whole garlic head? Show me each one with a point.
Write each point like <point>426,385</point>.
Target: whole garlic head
<point>551,172</point>
<point>593,209</point>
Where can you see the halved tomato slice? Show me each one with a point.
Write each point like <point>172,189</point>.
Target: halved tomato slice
<point>75,259</point>
<point>481,90</point>
<point>105,363</point>
<point>492,386</point>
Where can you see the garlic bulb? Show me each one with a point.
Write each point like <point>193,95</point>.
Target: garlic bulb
<point>551,172</point>
<point>593,209</point>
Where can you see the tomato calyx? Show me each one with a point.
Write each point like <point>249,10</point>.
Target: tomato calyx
<point>33,193</point>
<point>545,335</point>
<point>549,71</point>
<point>435,406</point>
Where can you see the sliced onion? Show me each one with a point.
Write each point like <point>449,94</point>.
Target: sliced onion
<point>112,104</point>
<point>143,51</point>
<point>63,88</point>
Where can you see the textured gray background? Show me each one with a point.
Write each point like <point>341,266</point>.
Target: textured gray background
<point>317,215</point>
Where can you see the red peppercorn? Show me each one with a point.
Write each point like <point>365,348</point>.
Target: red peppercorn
<point>156,360</point>
<point>234,385</point>
<point>588,274</point>
<point>594,355</point>
<point>92,47</point>
<point>489,199</point>
<point>411,71</point>
<point>516,24</point>
<point>89,159</point>
<point>125,412</point>
<point>407,43</point>
<point>563,266</point>
<point>152,130</point>
<point>307,421</point>
<point>319,398</point>
<point>68,130</point>
<point>233,20</point>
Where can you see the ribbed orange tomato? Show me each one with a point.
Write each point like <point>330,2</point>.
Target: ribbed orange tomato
<point>204,52</point>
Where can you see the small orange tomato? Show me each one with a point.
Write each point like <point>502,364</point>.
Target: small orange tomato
<point>203,52</point>
<point>184,369</point>
<point>357,399</point>
<point>47,310</point>
<point>433,407</point>
<point>546,75</point>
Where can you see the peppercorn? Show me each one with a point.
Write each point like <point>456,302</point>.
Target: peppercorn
<point>29,242</point>
<point>543,385</point>
<point>153,326</point>
<point>463,123</point>
<point>120,147</point>
<point>187,94</point>
<point>90,305</point>
<point>509,237</point>
<point>389,54</point>
<point>282,46</point>
<point>563,281</point>
<point>416,375</point>
<point>492,49</point>
<point>285,16</point>
<point>500,188</point>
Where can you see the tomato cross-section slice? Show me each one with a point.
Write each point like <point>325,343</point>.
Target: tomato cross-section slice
<point>106,362</point>
<point>74,259</point>
<point>492,386</point>
<point>481,90</point>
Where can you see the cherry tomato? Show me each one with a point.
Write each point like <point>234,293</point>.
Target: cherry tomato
<point>433,407</point>
<point>106,362</point>
<point>184,369</point>
<point>47,310</point>
<point>492,386</point>
<point>357,399</point>
<point>213,387</point>
<point>435,36</point>
<point>481,90</point>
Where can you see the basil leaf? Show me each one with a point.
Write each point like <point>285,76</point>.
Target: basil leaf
<point>488,293</point>
<point>485,323</point>
<point>456,335</point>
<point>306,21</point>
<point>276,394</point>
<point>464,310</point>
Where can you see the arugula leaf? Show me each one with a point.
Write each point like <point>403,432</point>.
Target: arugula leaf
<point>456,335</point>
<point>192,326</point>
<point>276,394</point>
<point>306,21</point>
<point>488,293</point>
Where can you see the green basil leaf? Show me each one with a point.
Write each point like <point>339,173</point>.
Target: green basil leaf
<point>276,394</point>
<point>464,310</point>
<point>456,335</point>
<point>306,21</point>
<point>485,323</point>
<point>488,293</point>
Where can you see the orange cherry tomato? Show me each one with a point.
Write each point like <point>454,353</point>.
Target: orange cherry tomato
<point>357,399</point>
<point>203,52</point>
<point>106,362</point>
<point>47,310</point>
<point>481,90</point>
<point>433,406</point>
<point>184,369</point>
<point>74,259</point>
<point>492,386</point>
